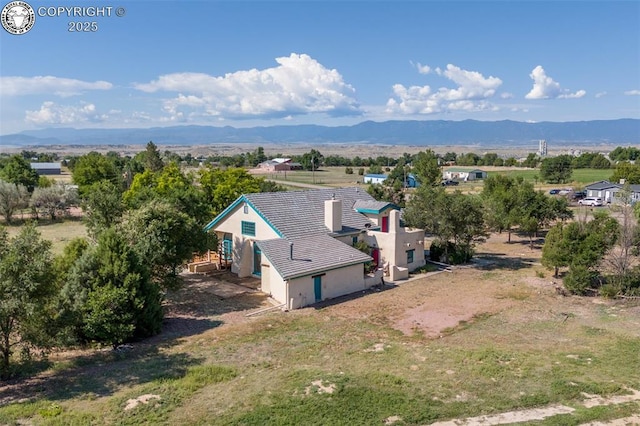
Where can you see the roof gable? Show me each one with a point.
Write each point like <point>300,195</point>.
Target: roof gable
<point>231,208</point>
<point>295,214</point>
<point>375,207</point>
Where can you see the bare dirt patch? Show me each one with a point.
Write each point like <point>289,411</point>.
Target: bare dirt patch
<point>142,399</point>
<point>318,386</point>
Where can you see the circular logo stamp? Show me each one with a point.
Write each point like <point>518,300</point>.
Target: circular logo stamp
<point>17,17</point>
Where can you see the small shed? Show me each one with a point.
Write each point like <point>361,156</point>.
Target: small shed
<point>374,178</point>
<point>412,181</point>
<point>47,168</point>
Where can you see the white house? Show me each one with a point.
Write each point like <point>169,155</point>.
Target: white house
<point>300,243</point>
<point>460,174</point>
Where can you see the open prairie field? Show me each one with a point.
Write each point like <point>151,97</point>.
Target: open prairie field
<point>325,176</point>
<point>495,340</point>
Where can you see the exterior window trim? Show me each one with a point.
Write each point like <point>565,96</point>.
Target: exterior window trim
<point>248,228</point>
<point>411,255</point>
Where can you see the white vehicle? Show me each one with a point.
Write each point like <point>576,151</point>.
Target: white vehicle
<point>591,201</point>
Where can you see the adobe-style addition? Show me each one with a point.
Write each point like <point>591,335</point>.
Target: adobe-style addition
<point>300,243</point>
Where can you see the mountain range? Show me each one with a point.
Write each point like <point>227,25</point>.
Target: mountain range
<point>432,132</point>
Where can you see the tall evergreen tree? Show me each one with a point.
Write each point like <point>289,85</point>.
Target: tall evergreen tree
<point>26,286</point>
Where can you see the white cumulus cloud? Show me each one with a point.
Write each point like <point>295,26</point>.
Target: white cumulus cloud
<point>471,94</point>
<point>632,92</point>
<point>422,69</point>
<point>52,113</point>
<point>545,88</point>
<point>298,85</point>
<point>20,86</point>
<point>600,95</point>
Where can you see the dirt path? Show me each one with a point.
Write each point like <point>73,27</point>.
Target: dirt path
<point>545,412</point>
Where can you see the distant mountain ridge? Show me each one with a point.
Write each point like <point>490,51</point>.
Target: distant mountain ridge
<point>431,132</point>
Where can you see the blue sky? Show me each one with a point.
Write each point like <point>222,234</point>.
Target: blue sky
<point>324,62</point>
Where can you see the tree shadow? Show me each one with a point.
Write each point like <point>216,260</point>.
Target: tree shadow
<point>99,374</point>
<point>91,373</point>
<point>202,296</point>
<point>500,261</point>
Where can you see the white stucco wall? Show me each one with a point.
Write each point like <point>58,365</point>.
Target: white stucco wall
<point>393,245</point>
<point>242,252</point>
<point>272,283</point>
<point>336,282</point>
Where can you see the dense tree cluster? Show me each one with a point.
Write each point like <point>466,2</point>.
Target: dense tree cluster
<point>629,153</point>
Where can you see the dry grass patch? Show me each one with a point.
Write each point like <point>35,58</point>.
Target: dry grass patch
<point>59,232</point>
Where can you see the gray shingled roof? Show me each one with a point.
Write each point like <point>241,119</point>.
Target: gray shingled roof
<point>301,213</point>
<point>370,205</point>
<point>310,255</point>
<point>603,184</point>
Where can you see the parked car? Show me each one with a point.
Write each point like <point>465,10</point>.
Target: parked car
<point>554,191</point>
<point>450,182</point>
<point>590,201</point>
<point>578,195</point>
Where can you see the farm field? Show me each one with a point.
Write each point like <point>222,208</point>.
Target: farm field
<point>336,176</point>
<point>478,341</point>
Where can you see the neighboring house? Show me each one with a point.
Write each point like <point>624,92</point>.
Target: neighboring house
<point>274,166</point>
<point>279,165</point>
<point>374,178</point>
<point>47,168</point>
<point>456,173</point>
<point>608,191</point>
<point>300,242</point>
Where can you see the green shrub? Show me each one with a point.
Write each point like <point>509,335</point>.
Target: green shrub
<point>579,279</point>
<point>448,252</point>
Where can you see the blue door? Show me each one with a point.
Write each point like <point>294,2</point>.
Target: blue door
<point>317,287</point>
<point>257,260</point>
<point>226,247</point>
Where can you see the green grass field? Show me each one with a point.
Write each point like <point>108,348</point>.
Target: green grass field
<point>579,176</point>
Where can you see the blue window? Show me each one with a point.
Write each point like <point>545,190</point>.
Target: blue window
<point>248,228</point>
<point>410,255</point>
<point>354,240</point>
